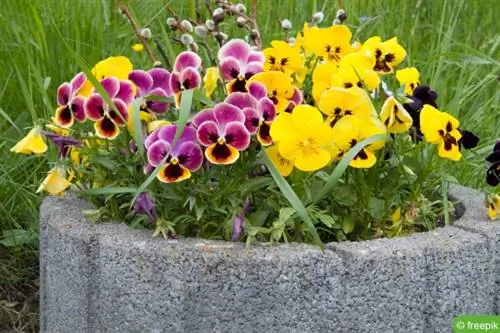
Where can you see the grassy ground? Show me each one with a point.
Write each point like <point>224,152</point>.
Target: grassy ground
<point>454,43</point>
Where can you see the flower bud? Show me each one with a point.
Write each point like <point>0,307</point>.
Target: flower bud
<point>172,23</point>
<point>223,36</point>
<point>201,31</point>
<point>254,33</point>
<point>241,21</point>
<point>210,25</point>
<point>157,64</point>
<point>187,39</point>
<point>292,41</point>
<point>286,24</point>
<point>240,8</point>
<point>341,15</point>
<point>218,15</point>
<point>145,33</point>
<point>194,47</point>
<point>318,17</point>
<point>187,25</point>
<point>336,22</point>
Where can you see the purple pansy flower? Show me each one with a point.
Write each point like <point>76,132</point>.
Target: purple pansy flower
<point>154,82</point>
<point>63,143</point>
<point>107,120</point>
<point>185,74</point>
<point>238,63</point>
<point>177,161</point>
<point>69,104</point>
<point>222,130</point>
<point>144,204</point>
<point>259,114</point>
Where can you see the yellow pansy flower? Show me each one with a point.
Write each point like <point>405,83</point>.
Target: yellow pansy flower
<point>441,128</point>
<point>282,57</point>
<point>356,70</point>
<point>339,102</point>
<point>349,131</point>
<point>395,117</point>
<point>56,182</point>
<point>156,124</point>
<point>493,203</point>
<point>284,166</point>
<point>32,143</point>
<point>331,44</point>
<point>278,85</point>
<point>410,78</point>
<point>144,116</point>
<point>119,67</point>
<point>138,47</point>
<point>322,79</point>
<point>210,80</point>
<point>303,137</point>
<point>386,54</point>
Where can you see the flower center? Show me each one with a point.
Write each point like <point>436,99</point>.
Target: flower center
<point>221,141</point>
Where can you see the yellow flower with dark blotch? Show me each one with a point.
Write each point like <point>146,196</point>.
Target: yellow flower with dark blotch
<point>493,204</point>
<point>284,166</point>
<point>303,137</point>
<point>409,78</point>
<point>339,102</point>
<point>119,67</point>
<point>386,54</point>
<point>395,117</point>
<point>356,70</point>
<point>349,131</point>
<point>278,85</point>
<point>56,182</point>
<point>282,57</point>
<point>306,40</point>
<point>157,124</point>
<point>138,47</point>
<point>331,44</point>
<point>322,79</point>
<point>210,80</point>
<point>32,143</point>
<point>441,128</point>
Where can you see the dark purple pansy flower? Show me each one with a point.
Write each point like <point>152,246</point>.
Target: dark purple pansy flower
<point>238,63</point>
<point>69,104</point>
<point>63,143</point>
<point>155,82</point>
<point>185,74</point>
<point>238,221</point>
<point>493,173</point>
<point>177,160</point>
<point>144,204</point>
<point>107,120</point>
<point>259,114</point>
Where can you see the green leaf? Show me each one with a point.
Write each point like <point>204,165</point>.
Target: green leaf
<point>292,198</point>
<point>377,208</point>
<point>136,117</point>
<point>184,112</point>
<point>157,98</point>
<point>326,219</point>
<point>344,164</point>
<point>286,213</point>
<point>348,225</point>
<point>345,195</point>
<point>15,237</point>
<point>109,190</point>
<point>200,96</point>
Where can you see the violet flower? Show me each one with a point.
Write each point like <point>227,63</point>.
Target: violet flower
<point>185,74</point>
<point>154,82</point>
<point>238,221</point>
<point>144,204</point>
<point>63,143</point>
<point>69,104</point>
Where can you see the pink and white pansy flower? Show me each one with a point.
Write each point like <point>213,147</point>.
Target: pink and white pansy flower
<point>185,74</point>
<point>69,104</point>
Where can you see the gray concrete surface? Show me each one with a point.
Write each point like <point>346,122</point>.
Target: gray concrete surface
<point>109,278</point>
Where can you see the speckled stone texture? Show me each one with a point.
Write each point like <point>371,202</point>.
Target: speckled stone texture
<point>109,278</point>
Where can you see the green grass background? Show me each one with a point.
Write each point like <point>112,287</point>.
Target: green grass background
<point>454,43</point>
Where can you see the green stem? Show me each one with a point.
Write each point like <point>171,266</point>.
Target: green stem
<point>444,193</point>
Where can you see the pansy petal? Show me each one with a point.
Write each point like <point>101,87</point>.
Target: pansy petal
<point>190,155</point>
<point>257,90</point>
<point>157,107</point>
<point>297,96</point>
<point>152,138</point>
<point>256,56</point>
<point>223,154</point>
<point>237,135</point>
<point>77,106</point>
<point>493,174</point>
<point>142,80</point>
<point>63,93</point>
<point>122,118</point>
<point>105,128</point>
<point>77,82</point>
<point>161,79</point>
<point>111,85</point>
<point>284,166</point>
<point>126,92</point>
<point>264,134</point>
<point>242,100</point>
<point>267,109</point>
<point>64,117</point>
<point>253,68</point>
<point>207,133</point>
<point>236,48</point>
<point>167,133</point>
<point>157,152</point>
<point>188,135</point>
<point>230,68</point>
<point>494,157</point>
<point>175,82</point>
<point>187,59</point>
<point>202,116</point>
<point>94,107</point>
<point>225,113</point>
<point>252,120</point>
<point>172,173</point>
<point>190,78</point>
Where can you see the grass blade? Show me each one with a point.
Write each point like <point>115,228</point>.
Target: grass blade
<point>136,118</point>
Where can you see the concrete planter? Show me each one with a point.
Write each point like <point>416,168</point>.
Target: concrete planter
<point>109,278</point>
